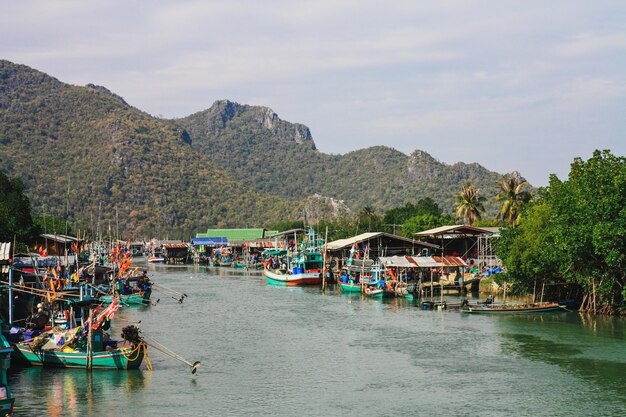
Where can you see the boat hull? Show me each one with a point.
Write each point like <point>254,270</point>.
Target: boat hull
<point>543,308</point>
<point>6,406</point>
<point>129,299</point>
<point>128,357</point>
<point>350,287</point>
<point>305,278</point>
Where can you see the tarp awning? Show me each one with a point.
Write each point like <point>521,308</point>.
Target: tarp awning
<point>209,241</point>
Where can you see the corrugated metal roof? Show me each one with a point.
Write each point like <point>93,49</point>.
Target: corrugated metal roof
<point>450,261</point>
<point>176,245</point>
<point>60,238</point>
<point>396,261</point>
<point>424,261</point>
<point>342,243</point>
<point>455,229</point>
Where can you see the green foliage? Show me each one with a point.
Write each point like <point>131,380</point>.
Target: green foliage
<point>229,166</point>
<point>277,163</point>
<point>423,222</point>
<point>16,222</point>
<point>54,225</point>
<point>123,166</point>
<point>575,232</point>
<point>399,215</point>
<point>513,198</point>
<point>469,204</point>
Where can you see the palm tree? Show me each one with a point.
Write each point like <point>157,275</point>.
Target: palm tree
<point>368,214</point>
<point>513,198</point>
<point>469,205</point>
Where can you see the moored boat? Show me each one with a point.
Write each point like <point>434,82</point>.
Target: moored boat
<point>510,309</point>
<point>51,349</point>
<point>297,266</point>
<point>6,397</point>
<point>126,357</point>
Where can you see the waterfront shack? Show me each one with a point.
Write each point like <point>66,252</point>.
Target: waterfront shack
<point>377,244</point>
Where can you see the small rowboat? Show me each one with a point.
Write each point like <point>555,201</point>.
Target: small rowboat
<point>511,309</point>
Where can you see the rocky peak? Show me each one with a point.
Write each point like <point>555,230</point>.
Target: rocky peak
<point>224,111</point>
<point>104,90</point>
<point>422,166</point>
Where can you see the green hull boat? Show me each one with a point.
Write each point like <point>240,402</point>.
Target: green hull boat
<point>128,357</point>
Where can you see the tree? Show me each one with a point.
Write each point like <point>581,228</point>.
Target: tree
<point>423,222</point>
<point>399,215</point>
<point>512,197</point>
<point>469,204</point>
<point>367,217</point>
<point>16,220</point>
<point>575,233</point>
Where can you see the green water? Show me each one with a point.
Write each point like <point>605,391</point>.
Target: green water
<point>280,351</point>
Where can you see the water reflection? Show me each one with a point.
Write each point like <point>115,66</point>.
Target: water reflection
<point>590,348</point>
<point>72,392</point>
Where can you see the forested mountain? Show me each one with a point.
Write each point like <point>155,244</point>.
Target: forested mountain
<point>278,157</point>
<point>121,165</point>
<point>230,165</point>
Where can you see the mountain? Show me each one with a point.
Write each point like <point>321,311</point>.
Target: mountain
<point>121,165</point>
<point>278,157</point>
<point>84,151</point>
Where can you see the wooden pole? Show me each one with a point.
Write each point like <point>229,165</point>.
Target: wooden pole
<point>543,286</point>
<point>89,341</point>
<point>324,262</point>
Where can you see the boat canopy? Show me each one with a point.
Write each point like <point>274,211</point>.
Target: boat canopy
<point>209,241</point>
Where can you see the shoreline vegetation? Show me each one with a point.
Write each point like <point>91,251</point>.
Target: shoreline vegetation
<point>568,239</point>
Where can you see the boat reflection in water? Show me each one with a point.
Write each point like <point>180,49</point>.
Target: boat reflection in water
<point>73,392</point>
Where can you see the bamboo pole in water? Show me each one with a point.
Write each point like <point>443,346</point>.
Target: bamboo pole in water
<point>324,261</point>
<point>89,341</point>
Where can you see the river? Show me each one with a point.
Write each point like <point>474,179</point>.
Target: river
<point>280,351</point>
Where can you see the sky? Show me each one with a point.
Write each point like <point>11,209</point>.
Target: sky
<point>512,85</point>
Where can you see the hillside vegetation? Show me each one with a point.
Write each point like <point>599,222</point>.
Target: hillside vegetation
<point>83,153</point>
<point>278,157</point>
<point>115,157</point>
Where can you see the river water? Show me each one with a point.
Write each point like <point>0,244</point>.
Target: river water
<point>280,351</point>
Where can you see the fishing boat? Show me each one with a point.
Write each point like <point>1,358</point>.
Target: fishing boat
<point>126,357</point>
<point>50,350</point>
<point>371,290</point>
<point>350,286</point>
<point>301,266</point>
<point>6,397</point>
<point>156,258</point>
<point>510,309</point>
<point>136,298</point>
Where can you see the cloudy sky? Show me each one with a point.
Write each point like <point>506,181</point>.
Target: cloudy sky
<point>512,85</point>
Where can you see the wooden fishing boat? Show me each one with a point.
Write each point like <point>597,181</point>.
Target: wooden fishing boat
<point>292,277</point>
<point>350,287</point>
<point>372,291</point>
<point>48,350</point>
<point>511,309</point>
<point>136,298</point>
<point>156,259</point>
<point>6,398</point>
<point>300,267</point>
<point>126,357</point>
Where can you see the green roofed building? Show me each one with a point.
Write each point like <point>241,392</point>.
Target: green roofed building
<point>237,234</point>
